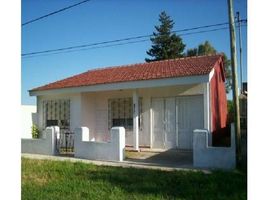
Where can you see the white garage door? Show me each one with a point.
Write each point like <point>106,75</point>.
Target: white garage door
<point>189,116</point>
<point>164,126</point>
<point>174,119</point>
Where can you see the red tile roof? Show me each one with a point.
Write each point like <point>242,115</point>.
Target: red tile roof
<point>190,66</point>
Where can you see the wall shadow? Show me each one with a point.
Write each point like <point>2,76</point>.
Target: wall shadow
<point>170,158</point>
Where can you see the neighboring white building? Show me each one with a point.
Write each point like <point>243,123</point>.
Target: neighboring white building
<point>28,118</point>
<point>159,103</point>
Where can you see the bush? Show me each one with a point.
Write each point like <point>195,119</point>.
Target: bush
<point>35,131</point>
<point>230,116</point>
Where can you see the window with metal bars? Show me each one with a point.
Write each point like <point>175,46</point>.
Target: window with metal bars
<point>120,113</point>
<point>56,113</point>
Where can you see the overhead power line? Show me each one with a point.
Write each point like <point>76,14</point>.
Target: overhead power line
<point>89,48</point>
<point>82,47</point>
<point>120,44</point>
<point>53,13</point>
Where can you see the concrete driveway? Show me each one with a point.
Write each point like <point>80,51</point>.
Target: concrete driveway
<point>169,158</point>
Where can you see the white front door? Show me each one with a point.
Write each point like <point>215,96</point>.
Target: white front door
<point>164,126</point>
<point>190,116</point>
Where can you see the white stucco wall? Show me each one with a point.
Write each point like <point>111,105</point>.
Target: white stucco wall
<point>207,156</point>
<point>112,151</point>
<point>45,145</point>
<point>91,109</point>
<point>99,112</point>
<point>28,118</point>
<point>88,111</point>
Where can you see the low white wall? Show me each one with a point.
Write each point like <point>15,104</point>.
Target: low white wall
<point>28,118</point>
<point>113,150</point>
<point>45,145</point>
<point>213,157</point>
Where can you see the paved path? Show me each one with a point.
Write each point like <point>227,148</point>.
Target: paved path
<point>126,164</point>
<point>169,158</point>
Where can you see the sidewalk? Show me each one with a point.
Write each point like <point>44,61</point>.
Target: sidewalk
<point>125,164</point>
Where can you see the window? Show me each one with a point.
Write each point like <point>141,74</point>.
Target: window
<point>56,113</point>
<point>120,112</point>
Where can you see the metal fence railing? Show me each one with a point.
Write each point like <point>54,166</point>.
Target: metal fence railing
<point>65,142</point>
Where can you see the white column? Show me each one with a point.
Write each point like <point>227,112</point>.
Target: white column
<point>206,106</point>
<point>75,111</point>
<point>135,120</point>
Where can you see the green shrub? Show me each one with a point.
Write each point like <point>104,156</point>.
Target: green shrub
<point>35,131</point>
<point>230,107</point>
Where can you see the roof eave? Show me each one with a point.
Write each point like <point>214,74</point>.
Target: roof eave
<point>185,80</point>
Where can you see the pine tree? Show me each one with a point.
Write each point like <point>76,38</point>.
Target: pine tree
<point>166,45</point>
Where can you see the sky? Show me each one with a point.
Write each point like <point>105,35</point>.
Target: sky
<point>104,20</point>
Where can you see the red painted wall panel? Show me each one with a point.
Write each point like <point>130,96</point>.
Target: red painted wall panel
<point>218,99</point>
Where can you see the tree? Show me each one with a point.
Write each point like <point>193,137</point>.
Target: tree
<point>166,45</point>
<point>230,108</point>
<point>192,52</point>
<point>202,49</point>
<point>228,73</point>
<point>205,49</point>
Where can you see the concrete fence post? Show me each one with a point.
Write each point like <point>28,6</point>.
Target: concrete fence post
<point>85,134</point>
<point>81,135</point>
<point>54,138</point>
<point>51,137</point>
<point>78,132</point>
<point>118,142</point>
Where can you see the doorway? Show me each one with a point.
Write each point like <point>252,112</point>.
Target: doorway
<point>189,116</point>
<point>174,119</point>
<point>164,127</point>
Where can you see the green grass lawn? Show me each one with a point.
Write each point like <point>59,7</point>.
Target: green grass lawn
<point>44,179</point>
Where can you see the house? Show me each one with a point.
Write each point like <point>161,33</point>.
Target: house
<point>28,118</point>
<point>159,103</point>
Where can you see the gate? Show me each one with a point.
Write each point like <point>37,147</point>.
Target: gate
<point>65,142</point>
